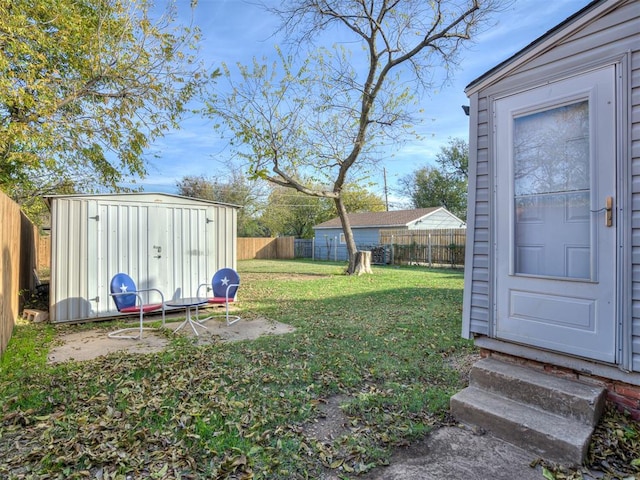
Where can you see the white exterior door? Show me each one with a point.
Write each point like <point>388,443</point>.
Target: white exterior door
<point>555,216</point>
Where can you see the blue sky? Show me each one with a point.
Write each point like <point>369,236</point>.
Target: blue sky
<point>238,30</point>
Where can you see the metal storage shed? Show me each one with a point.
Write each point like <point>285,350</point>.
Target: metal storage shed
<point>162,241</point>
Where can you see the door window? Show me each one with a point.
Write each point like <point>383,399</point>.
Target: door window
<point>552,178</point>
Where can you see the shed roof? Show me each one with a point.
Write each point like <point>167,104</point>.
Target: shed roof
<point>150,196</point>
<point>396,218</point>
<point>577,20</point>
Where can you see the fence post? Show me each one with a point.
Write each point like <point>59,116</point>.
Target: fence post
<point>452,243</point>
<point>392,252</point>
<point>429,248</point>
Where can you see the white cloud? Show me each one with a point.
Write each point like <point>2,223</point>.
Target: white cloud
<point>237,30</point>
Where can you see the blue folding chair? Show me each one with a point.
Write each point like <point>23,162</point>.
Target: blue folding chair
<point>128,299</point>
<point>224,285</point>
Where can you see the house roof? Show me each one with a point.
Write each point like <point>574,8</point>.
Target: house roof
<point>586,14</point>
<point>397,218</point>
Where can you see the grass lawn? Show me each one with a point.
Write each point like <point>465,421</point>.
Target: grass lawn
<point>387,344</point>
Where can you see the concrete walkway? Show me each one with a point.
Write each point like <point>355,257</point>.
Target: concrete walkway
<point>458,453</point>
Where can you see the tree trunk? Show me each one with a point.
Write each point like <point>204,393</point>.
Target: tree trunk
<point>363,262</point>
<point>348,234</point>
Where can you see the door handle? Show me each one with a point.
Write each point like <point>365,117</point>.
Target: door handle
<point>608,209</point>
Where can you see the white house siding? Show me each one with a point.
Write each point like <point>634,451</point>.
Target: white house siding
<point>440,219</point>
<point>611,38</point>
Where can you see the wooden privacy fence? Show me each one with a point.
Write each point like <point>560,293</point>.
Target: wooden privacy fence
<point>426,247</point>
<point>44,253</point>
<point>265,248</point>
<point>19,244</point>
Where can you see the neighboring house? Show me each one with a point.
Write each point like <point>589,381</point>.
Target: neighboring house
<point>366,227</point>
<point>162,241</point>
<point>552,269</point>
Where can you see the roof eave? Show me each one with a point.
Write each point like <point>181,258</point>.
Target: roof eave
<point>540,45</point>
<point>49,198</point>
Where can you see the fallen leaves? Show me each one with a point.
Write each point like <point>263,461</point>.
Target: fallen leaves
<point>614,452</point>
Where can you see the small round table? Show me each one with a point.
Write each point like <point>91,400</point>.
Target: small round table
<point>187,303</point>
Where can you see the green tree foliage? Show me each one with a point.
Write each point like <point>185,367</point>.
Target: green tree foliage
<point>358,199</point>
<point>292,213</point>
<point>85,87</point>
<point>453,159</point>
<point>235,189</point>
<point>445,186</point>
<point>429,187</point>
<point>326,118</point>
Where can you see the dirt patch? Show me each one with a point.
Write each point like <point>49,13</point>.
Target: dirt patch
<point>89,344</point>
<point>331,423</point>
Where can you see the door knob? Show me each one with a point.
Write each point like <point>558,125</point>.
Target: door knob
<point>608,216</point>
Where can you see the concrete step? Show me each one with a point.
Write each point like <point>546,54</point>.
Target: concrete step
<point>561,396</point>
<point>553,437</point>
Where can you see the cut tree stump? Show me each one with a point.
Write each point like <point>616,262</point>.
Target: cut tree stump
<point>363,262</point>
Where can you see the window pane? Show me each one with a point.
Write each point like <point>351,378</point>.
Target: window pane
<point>552,193</point>
<point>551,150</point>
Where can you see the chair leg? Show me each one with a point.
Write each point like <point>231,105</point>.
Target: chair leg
<point>234,317</point>
<point>120,334</point>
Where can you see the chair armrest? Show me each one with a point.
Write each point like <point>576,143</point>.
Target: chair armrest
<point>207,288</point>
<point>153,290</point>
<point>228,287</point>
<point>138,296</point>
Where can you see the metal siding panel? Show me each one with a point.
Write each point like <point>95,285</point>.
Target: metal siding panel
<point>480,259</point>
<point>225,225</point>
<point>210,246</point>
<point>477,298</point>
<point>70,256</point>
<point>479,326</point>
<point>94,281</point>
<point>59,255</point>
<point>635,221</point>
<point>72,283</point>
<point>87,253</point>
<point>480,289</point>
<point>482,236</point>
<point>228,236</point>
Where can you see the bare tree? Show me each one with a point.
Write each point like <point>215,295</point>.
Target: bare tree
<point>325,118</point>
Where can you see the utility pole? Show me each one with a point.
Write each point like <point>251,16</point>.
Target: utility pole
<point>386,192</point>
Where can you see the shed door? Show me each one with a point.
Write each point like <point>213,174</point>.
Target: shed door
<point>556,221</point>
<point>157,249</point>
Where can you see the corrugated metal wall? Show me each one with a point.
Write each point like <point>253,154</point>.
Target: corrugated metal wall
<point>161,241</point>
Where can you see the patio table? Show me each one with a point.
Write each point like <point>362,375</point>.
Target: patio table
<point>187,303</point>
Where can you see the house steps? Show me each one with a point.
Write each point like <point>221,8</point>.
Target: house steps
<point>551,416</point>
